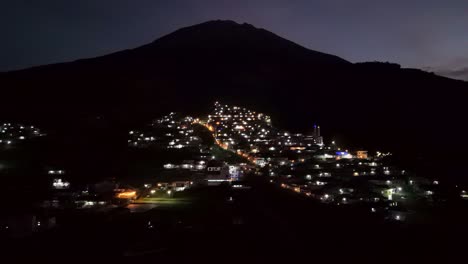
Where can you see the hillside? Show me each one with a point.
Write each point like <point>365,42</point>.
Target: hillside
<point>370,105</point>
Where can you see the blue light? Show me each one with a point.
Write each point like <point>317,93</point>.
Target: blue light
<point>342,153</point>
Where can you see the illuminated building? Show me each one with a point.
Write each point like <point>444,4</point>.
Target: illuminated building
<point>60,184</point>
<point>361,154</point>
<point>216,173</point>
<point>318,138</point>
<point>127,194</point>
<point>178,185</point>
<point>343,155</point>
<point>260,162</point>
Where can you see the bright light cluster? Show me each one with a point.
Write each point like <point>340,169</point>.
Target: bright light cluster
<point>251,134</point>
<point>170,131</point>
<point>11,133</point>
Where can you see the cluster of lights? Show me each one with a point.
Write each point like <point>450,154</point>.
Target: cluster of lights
<point>180,133</point>
<point>11,133</point>
<point>251,135</point>
<point>139,138</point>
<point>195,166</point>
<point>60,184</point>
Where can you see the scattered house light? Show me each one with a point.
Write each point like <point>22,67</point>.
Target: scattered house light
<point>464,194</point>
<point>169,166</point>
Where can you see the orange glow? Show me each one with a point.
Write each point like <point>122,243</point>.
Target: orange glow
<point>297,148</point>
<point>126,195</point>
<point>362,154</point>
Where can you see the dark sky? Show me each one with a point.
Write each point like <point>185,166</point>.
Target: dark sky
<point>430,34</point>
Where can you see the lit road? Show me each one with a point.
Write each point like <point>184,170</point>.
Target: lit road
<point>225,146</point>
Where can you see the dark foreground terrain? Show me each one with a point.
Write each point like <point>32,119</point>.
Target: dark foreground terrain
<point>261,224</point>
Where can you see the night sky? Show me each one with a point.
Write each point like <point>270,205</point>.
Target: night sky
<point>429,34</point>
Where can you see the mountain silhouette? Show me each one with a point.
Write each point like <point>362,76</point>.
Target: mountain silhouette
<point>370,105</point>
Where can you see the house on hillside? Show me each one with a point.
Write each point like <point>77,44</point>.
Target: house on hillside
<point>216,173</point>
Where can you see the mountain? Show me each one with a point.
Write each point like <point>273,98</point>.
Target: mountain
<point>460,73</point>
<point>215,53</point>
<point>366,105</point>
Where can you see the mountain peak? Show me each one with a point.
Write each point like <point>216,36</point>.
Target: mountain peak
<point>222,23</point>
<point>219,27</point>
<point>227,38</point>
